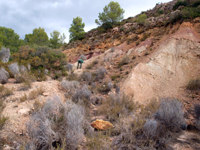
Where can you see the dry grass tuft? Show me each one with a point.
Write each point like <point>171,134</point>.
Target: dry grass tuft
<point>123,61</point>
<point>193,84</point>
<point>23,98</point>
<point>119,105</point>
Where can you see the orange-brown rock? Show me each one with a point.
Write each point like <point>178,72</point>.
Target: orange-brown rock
<point>102,125</point>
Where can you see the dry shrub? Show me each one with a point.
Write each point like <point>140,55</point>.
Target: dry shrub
<point>72,76</point>
<point>23,98</point>
<point>40,90</point>
<point>56,121</point>
<point>105,87</point>
<point>90,66</point>
<point>37,105</point>
<point>170,114</point>
<point>193,84</point>
<point>123,61</point>
<point>70,87</point>
<point>132,39</point>
<point>145,36</point>
<point>96,100</point>
<point>119,105</point>
<point>82,95</point>
<point>130,131</point>
<point>99,141</point>
<point>35,93</point>
<point>86,76</point>
<point>25,78</point>
<point>100,74</point>
<point>150,108</point>
<point>3,119</point>
<point>151,128</point>
<point>137,132</point>
<point>5,92</point>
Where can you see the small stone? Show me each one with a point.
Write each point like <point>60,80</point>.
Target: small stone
<point>102,125</point>
<point>46,94</point>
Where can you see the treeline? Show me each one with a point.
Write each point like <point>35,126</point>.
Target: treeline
<point>10,39</point>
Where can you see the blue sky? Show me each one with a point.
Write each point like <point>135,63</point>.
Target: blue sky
<point>25,15</point>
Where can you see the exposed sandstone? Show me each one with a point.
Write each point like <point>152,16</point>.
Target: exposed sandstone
<point>102,125</point>
<point>171,67</point>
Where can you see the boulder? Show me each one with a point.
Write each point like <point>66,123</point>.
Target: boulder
<point>5,55</point>
<point>4,75</point>
<point>115,30</point>
<point>102,125</point>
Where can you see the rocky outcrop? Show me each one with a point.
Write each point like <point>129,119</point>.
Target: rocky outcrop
<point>4,75</point>
<point>171,67</point>
<point>102,125</point>
<point>5,55</point>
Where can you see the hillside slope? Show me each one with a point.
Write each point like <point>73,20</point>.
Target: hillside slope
<point>170,68</point>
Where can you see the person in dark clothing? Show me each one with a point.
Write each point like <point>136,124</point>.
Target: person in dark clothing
<point>80,61</point>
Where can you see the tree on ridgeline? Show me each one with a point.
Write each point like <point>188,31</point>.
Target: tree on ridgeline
<point>77,29</point>
<point>112,14</point>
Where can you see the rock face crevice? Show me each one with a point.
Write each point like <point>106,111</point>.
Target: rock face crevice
<point>171,67</point>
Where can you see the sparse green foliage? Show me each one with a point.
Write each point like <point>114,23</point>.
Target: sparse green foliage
<point>77,29</point>
<point>112,13</point>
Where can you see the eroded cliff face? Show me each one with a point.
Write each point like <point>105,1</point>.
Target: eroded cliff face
<point>176,61</point>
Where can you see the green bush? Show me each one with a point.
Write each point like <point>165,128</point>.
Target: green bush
<point>180,3</point>
<point>189,12</point>
<point>160,12</point>
<point>195,4</point>
<point>40,57</point>
<point>176,17</point>
<point>141,19</point>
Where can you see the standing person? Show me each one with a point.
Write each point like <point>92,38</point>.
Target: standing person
<point>80,61</point>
